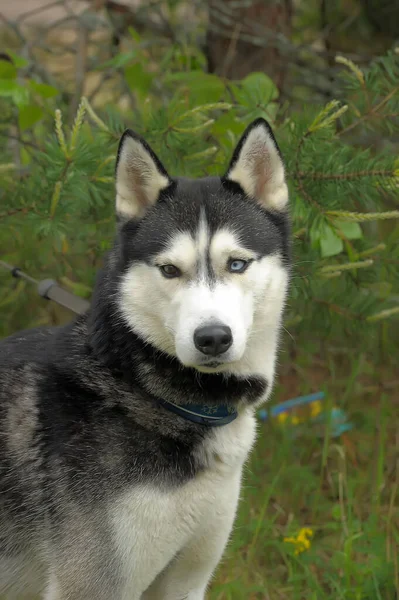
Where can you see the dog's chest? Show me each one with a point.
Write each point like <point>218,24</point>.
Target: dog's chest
<point>156,524</point>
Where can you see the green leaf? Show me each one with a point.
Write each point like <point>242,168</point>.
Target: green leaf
<point>226,124</point>
<point>134,34</point>
<point>330,243</point>
<point>167,58</point>
<point>120,60</point>
<point>7,70</point>
<point>15,91</point>
<point>18,61</point>
<point>351,230</point>
<point>336,512</point>
<point>43,90</point>
<point>138,78</point>
<point>256,91</point>
<point>261,84</point>
<point>29,115</point>
<point>184,76</point>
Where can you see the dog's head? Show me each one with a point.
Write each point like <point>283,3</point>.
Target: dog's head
<point>205,267</point>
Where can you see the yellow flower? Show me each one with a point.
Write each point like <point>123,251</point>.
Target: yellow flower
<point>301,541</point>
<point>282,417</point>
<point>315,408</point>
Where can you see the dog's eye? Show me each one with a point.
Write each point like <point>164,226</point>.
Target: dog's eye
<point>170,271</point>
<point>236,265</point>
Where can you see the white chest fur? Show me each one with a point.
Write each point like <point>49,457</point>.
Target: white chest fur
<point>152,526</point>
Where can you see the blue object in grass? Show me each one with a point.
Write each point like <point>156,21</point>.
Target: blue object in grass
<point>264,414</point>
<point>337,418</point>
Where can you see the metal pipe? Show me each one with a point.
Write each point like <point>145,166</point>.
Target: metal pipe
<point>49,289</point>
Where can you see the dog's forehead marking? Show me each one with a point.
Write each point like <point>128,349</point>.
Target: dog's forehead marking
<point>203,253</point>
<point>202,236</point>
<point>202,243</point>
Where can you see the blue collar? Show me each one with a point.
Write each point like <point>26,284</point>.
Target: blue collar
<point>213,416</point>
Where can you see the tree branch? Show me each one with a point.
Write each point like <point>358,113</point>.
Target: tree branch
<point>345,176</point>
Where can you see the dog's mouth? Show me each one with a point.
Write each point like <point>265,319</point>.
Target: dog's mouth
<point>211,366</point>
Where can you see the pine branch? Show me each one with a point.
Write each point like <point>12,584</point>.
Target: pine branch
<point>300,185</point>
<point>360,217</point>
<point>14,211</point>
<point>389,173</point>
<point>347,266</point>
<point>340,310</point>
<point>384,314</point>
<point>371,112</point>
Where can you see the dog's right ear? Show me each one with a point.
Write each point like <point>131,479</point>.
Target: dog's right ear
<point>140,177</point>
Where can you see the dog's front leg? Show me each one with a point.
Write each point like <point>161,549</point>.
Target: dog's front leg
<point>188,575</point>
<point>74,585</point>
<point>92,584</point>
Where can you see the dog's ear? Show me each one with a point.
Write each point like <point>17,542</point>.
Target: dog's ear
<point>140,177</point>
<point>258,169</point>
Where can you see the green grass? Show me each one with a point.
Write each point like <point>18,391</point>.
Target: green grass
<point>345,489</point>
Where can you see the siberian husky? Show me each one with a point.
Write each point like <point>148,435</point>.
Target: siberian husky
<point>124,433</point>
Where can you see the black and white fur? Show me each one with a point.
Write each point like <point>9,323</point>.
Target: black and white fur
<point>104,493</point>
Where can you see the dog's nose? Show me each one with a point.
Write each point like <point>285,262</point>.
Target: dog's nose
<point>213,339</point>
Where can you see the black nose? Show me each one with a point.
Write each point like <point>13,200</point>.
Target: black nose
<point>213,339</point>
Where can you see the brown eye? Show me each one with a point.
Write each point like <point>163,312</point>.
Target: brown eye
<point>170,271</point>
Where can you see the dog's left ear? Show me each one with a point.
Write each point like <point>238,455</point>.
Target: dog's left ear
<point>257,167</point>
<point>140,177</point>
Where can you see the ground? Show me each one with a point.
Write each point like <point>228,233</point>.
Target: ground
<point>344,490</point>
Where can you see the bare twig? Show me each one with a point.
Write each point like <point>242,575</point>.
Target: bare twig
<point>14,211</point>
<point>81,68</point>
<point>38,10</point>
<point>19,139</point>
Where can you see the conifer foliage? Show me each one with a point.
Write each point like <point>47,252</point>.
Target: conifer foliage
<point>57,188</point>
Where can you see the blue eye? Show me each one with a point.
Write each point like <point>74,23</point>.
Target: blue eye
<point>237,265</point>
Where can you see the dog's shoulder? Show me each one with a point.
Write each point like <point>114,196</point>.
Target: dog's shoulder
<point>26,346</point>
